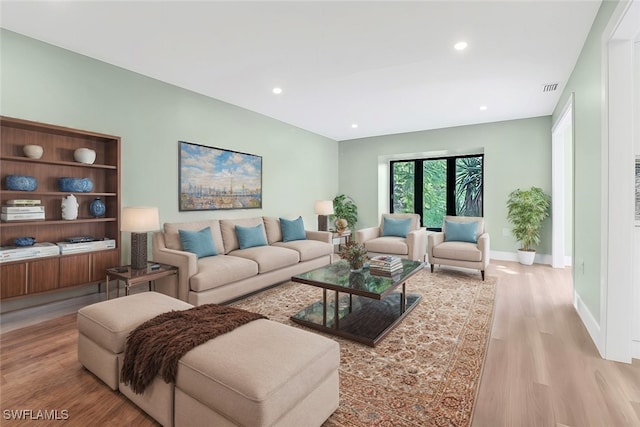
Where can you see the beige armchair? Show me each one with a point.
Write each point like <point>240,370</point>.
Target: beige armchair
<point>458,247</point>
<point>398,234</point>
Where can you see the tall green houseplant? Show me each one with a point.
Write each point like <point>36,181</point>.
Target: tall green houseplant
<point>527,209</point>
<point>345,208</point>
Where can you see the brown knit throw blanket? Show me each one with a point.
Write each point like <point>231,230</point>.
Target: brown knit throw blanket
<point>157,345</point>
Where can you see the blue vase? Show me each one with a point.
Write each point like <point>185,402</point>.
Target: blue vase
<point>75,185</point>
<point>20,182</point>
<point>97,208</point>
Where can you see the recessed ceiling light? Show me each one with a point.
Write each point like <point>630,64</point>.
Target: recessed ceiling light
<point>277,90</point>
<point>354,125</point>
<point>460,46</point>
<point>483,108</point>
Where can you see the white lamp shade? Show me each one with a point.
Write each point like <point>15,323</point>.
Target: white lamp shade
<point>140,219</point>
<point>324,207</point>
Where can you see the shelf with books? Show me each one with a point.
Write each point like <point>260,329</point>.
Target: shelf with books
<point>58,160</point>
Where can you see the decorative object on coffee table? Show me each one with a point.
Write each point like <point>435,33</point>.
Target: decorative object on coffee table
<point>139,221</point>
<point>355,254</point>
<point>324,209</point>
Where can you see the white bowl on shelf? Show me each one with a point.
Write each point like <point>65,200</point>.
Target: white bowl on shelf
<point>33,151</point>
<point>85,155</point>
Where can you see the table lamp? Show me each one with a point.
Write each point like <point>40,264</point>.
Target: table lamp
<point>323,209</point>
<point>139,221</point>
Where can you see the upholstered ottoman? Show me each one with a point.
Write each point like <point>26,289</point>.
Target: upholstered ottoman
<point>103,329</point>
<point>263,373</point>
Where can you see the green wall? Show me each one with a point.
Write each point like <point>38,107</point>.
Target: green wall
<point>517,155</point>
<point>45,83</point>
<point>586,82</point>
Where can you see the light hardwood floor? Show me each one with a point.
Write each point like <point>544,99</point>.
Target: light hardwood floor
<point>542,368</point>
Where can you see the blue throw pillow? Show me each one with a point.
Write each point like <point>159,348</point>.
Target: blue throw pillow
<point>248,237</point>
<point>396,226</point>
<point>198,242</point>
<point>460,231</point>
<point>292,229</point>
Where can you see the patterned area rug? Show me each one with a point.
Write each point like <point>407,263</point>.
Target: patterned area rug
<point>426,372</point>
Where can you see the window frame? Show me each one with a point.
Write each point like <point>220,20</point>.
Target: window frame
<point>418,196</point>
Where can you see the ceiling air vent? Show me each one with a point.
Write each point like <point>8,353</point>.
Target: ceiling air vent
<point>550,87</point>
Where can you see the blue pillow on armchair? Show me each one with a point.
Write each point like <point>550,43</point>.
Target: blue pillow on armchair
<point>455,231</point>
<point>396,226</point>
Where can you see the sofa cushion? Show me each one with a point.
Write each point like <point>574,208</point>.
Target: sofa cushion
<point>268,258</point>
<point>308,249</point>
<point>292,229</point>
<point>272,228</point>
<point>395,226</point>
<point>221,270</point>
<point>388,245</point>
<point>255,388</point>
<point>172,236</point>
<point>461,231</point>
<point>249,237</point>
<point>462,251</point>
<point>198,242</point>
<point>228,231</point>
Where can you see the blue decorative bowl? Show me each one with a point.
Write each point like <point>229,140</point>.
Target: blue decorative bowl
<point>20,182</point>
<point>25,241</point>
<point>75,185</point>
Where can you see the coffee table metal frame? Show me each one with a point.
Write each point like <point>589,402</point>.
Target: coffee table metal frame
<point>337,277</point>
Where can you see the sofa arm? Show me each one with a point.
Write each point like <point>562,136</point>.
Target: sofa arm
<point>417,243</point>
<point>485,248</point>
<point>186,262</point>
<point>365,234</point>
<point>434,239</point>
<point>323,236</point>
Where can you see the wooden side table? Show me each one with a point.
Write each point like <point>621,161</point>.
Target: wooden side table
<point>132,277</point>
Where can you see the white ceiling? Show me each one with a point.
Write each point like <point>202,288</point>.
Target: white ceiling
<point>388,66</point>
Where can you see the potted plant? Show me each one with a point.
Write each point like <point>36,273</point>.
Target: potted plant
<point>355,254</point>
<point>344,209</point>
<point>526,210</point>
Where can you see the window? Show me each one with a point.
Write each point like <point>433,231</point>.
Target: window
<point>436,187</point>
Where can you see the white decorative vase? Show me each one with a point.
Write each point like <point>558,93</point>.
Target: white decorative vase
<point>85,155</point>
<point>33,151</point>
<point>69,207</point>
<point>526,257</point>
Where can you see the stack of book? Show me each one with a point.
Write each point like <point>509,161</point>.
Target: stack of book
<point>22,210</point>
<point>86,246</point>
<point>14,253</point>
<point>385,265</point>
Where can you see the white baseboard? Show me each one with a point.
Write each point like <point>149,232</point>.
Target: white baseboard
<point>593,327</point>
<point>513,256</point>
<point>635,349</point>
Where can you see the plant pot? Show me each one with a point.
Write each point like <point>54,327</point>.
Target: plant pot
<point>526,257</point>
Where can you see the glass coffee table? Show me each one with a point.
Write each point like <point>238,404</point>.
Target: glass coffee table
<point>362,307</point>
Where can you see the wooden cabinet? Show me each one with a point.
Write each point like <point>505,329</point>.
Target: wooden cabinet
<point>20,278</point>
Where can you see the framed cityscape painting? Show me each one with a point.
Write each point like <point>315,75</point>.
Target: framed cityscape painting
<point>214,178</point>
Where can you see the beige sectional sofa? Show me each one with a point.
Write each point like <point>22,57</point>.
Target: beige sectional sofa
<point>236,272</point>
